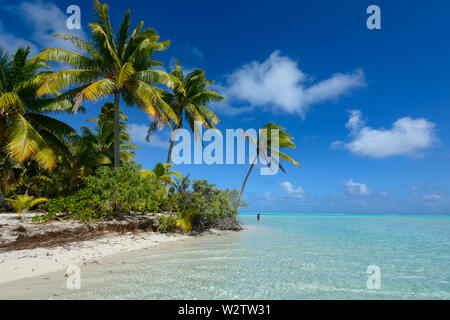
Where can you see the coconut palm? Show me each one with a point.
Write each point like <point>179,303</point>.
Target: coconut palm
<point>162,172</point>
<point>24,202</point>
<point>25,132</point>
<point>117,65</point>
<point>190,99</point>
<point>103,139</point>
<point>265,140</point>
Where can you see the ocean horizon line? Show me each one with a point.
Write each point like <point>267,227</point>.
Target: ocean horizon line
<point>447,215</point>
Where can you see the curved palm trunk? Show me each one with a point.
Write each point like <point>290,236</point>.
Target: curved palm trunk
<point>169,156</point>
<point>243,186</point>
<point>116,130</point>
<point>177,126</point>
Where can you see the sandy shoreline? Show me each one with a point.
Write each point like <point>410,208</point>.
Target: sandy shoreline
<point>21,264</point>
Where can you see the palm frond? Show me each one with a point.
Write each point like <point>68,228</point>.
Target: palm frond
<point>95,91</point>
<point>9,102</point>
<point>54,82</point>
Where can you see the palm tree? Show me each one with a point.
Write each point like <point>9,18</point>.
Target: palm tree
<point>24,202</point>
<point>102,141</point>
<point>95,148</point>
<point>25,132</point>
<point>162,172</point>
<point>284,141</point>
<point>190,98</point>
<point>112,65</point>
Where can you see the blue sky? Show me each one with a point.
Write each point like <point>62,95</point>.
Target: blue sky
<point>369,109</point>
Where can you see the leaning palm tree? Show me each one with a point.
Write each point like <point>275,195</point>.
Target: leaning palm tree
<point>112,65</point>
<point>190,99</point>
<point>24,202</point>
<point>265,139</point>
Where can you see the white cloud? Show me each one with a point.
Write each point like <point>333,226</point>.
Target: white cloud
<point>138,133</point>
<point>292,193</point>
<point>269,196</point>
<point>356,188</point>
<point>44,19</point>
<point>406,137</point>
<point>279,84</point>
<point>226,109</point>
<point>432,197</point>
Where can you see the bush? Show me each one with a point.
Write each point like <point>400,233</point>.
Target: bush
<point>207,206</point>
<point>110,192</point>
<point>167,224</point>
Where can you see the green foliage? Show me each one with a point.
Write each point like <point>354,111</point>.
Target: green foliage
<point>185,224</point>
<point>207,205</point>
<point>111,192</point>
<point>167,224</point>
<point>120,191</point>
<point>78,207</point>
<point>25,132</point>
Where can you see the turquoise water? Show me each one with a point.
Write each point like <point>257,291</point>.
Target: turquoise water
<point>287,257</point>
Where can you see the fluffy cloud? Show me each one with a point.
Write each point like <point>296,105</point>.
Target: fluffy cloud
<point>278,83</point>
<point>44,19</point>
<point>291,192</point>
<point>269,196</point>
<point>406,137</point>
<point>356,188</point>
<point>138,133</point>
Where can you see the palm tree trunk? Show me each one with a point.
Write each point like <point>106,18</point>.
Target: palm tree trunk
<point>169,156</point>
<point>177,126</point>
<point>116,129</point>
<point>243,186</point>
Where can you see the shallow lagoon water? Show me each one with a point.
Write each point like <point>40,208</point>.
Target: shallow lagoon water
<point>280,257</point>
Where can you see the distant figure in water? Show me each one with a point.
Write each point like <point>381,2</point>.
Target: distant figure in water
<point>258,216</point>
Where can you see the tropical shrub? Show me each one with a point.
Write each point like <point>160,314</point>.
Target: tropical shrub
<point>207,206</point>
<point>110,192</point>
<point>167,224</point>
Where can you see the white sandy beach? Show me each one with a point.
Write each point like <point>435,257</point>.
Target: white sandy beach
<point>21,264</point>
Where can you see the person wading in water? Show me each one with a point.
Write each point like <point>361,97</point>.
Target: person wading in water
<point>258,216</point>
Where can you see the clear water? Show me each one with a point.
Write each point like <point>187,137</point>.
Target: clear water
<point>284,257</point>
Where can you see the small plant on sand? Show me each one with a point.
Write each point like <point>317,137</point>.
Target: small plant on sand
<point>24,202</point>
<point>167,224</point>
